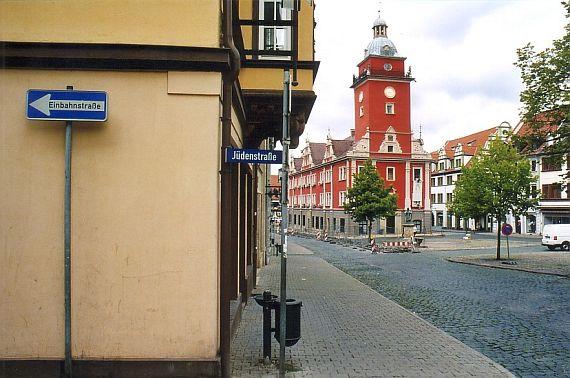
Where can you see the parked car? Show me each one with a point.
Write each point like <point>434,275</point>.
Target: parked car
<point>556,235</point>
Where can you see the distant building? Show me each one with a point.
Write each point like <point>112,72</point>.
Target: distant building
<point>382,133</point>
<point>446,169</point>
<point>551,182</point>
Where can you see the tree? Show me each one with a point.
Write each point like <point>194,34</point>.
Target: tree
<point>546,95</point>
<point>496,182</point>
<point>369,199</point>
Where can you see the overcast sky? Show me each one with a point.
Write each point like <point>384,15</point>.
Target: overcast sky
<point>461,53</point>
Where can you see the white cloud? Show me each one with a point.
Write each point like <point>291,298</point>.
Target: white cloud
<point>461,53</point>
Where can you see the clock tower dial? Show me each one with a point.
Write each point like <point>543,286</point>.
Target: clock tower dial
<point>390,92</point>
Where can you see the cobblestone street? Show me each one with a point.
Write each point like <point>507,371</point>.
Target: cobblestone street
<point>520,320</point>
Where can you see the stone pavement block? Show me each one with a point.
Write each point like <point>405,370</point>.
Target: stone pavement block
<point>349,330</point>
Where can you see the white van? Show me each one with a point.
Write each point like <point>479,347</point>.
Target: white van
<point>556,235</point>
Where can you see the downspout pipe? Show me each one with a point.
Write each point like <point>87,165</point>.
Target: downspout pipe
<point>227,208</point>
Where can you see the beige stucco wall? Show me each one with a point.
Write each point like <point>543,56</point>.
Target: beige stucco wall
<point>272,79</point>
<point>159,22</point>
<point>144,219</point>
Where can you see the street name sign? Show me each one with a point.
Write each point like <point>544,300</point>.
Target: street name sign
<point>66,105</point>
<point>236,155</point>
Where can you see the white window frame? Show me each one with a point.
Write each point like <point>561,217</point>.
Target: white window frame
<point>341,198</point>
<point>279,32</point>
<point>390,108</point>
<point>342,173</point>
<point>388,170</point>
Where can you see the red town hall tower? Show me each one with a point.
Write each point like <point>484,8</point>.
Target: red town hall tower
<point>382,133</point>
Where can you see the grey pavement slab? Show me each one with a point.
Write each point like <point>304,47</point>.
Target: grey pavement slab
<point>349,330</point>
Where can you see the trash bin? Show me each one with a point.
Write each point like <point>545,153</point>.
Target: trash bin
<point>293,323</point>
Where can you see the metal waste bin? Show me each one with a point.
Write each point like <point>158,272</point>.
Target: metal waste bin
<point>293,324</point>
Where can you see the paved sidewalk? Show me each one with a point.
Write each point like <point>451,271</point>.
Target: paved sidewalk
<point>349,330</point>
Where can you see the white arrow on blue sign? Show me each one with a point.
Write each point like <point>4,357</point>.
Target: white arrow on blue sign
<point>66,105</point>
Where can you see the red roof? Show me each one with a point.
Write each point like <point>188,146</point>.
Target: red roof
<point>470,143</point>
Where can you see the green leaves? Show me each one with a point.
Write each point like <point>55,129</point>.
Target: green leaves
<point>546,95</point>
<point>369,199</point>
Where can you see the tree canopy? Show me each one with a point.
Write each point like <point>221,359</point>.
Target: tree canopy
<point>369,198</point>
<point>496,182</point>
<point>546,95</point>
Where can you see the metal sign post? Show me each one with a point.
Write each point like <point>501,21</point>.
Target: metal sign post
<point>66,105</point>
<point>285,141</point>
<point>507,229</point>
<point>67,245</point>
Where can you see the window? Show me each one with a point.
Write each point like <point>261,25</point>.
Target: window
<point>441,165</point>
<point>361,111</point>
<point>433,181</point>
<point>328,199</point>
<point>440,198</point>
<point>549,165</point>
<point>449,180</point>
<point>360,168</point>
<point>440,181</point>
<point>458,163</point>
<point>390,108</point>
<point>341,198</point>
<point>551,191</point>
<point>533,165</point>
<point>390,173</point>
<point>432,197</point>
<point>274,37</point>
<point>449,197</point>
<point>533,191</point>
<point>417,174</point>
<point>342,224</point>
<point>342,173</point>
<point>390,148</point>
<point>390,138</point>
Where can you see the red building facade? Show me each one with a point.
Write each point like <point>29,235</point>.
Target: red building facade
<point>382,133</point>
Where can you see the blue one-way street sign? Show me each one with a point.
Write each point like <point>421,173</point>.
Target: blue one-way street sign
<point>66,105</point>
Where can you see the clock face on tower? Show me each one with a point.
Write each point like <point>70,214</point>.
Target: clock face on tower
<point>390,92</point>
